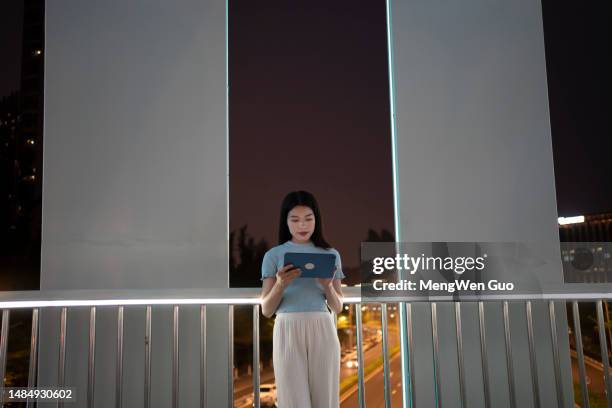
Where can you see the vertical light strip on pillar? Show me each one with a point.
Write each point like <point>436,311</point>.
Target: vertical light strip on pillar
<point>407,385</point>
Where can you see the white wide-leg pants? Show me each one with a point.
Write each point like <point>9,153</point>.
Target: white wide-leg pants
<point>306,357</point>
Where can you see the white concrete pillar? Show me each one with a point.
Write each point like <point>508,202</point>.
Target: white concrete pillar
<point>475,164</point>
<point>135,183</point>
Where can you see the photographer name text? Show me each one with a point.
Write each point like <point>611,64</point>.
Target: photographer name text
<point>450,287</point>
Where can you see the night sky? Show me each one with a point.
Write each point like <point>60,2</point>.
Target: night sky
<point>579,65</point>
<point>11,19</point>
<point>309,109</point>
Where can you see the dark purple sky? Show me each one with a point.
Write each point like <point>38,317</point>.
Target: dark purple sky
<point>579,65</point>
<point>11,19</point>
<point>309,109</point>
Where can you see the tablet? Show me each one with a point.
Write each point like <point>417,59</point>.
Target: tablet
<point>312,265</point>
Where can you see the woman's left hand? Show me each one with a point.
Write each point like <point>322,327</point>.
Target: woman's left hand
<point>326,283</point>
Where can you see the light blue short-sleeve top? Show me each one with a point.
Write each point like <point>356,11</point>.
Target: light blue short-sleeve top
<point>302,294</point>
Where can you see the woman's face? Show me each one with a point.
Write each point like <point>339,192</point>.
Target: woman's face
<point>301,222</point>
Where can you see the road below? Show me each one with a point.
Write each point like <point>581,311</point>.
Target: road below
<point>374,389</point>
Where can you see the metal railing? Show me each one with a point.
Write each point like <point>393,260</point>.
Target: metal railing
<point>92,299</point>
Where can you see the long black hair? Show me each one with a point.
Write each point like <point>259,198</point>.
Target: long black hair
<point>306,199</point>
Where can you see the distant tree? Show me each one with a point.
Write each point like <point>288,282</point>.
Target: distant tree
<point>372,236</point>
<point>246,271</point>
<point>246,255</point>
<point>232,259</point>
<point>383,236</point>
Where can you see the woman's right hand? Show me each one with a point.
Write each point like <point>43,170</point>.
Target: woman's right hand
<point>286,275</point>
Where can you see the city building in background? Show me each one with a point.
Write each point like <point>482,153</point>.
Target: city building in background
<point>586,248</point>
<point>9,122</point>
<point>587,228</point>
<point>21,157</point>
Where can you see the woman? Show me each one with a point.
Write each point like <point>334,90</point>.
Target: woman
<point>305,345</point>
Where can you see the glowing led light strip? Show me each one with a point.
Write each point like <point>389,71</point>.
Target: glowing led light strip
<point>405,368</point>
<point>16,304</point>
<point>120,302</point>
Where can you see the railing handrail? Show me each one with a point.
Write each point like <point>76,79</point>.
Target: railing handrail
<point>125,297</point>
<point>235,296</point>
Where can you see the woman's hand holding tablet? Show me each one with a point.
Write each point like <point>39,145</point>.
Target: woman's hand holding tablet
<point>327,282</point>
<point>286,275</point>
